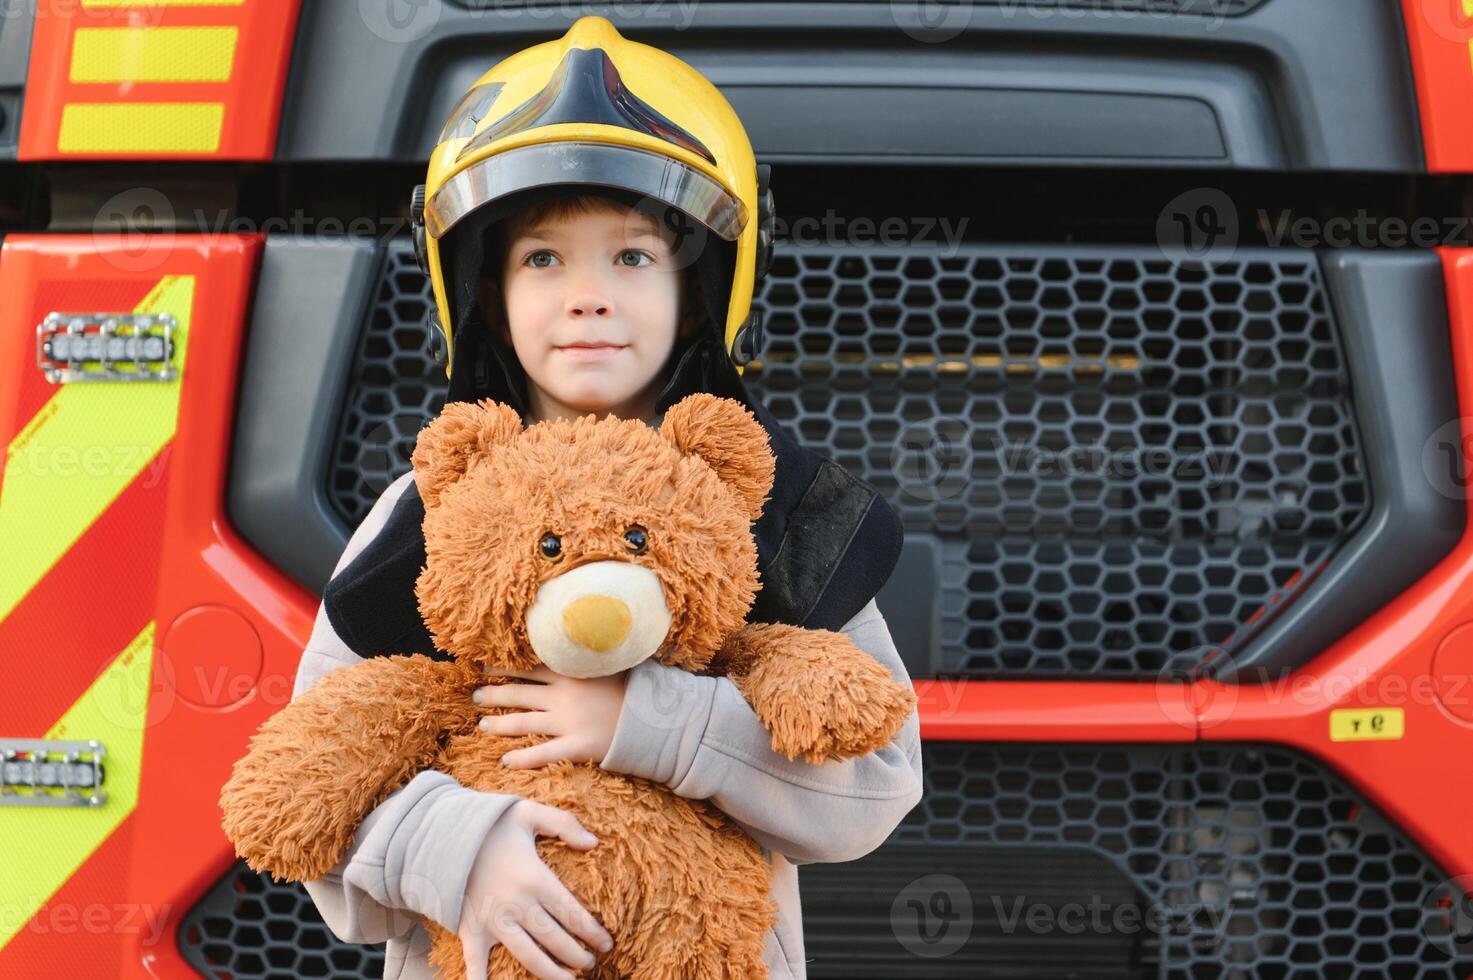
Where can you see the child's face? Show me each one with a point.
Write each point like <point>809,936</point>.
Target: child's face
<point>605,278</point>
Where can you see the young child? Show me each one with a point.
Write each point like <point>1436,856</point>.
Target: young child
<point>571,299</point>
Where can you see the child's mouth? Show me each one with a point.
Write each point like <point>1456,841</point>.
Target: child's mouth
<point>595,352</point>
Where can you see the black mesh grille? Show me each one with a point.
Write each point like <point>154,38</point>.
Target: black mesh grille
<point>1125,462</point>
<point>1238,861</point>
<point>1124,459</point>
<point>1225,862</point>
<point>250,926</point>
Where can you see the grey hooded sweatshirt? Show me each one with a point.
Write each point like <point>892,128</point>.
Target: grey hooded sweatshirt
<point>412,855</point>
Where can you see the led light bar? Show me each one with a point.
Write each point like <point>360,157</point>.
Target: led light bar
<point>106,347</point>
<point>36,772</point>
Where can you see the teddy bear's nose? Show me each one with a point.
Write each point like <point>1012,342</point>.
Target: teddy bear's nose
<point>597,622</point>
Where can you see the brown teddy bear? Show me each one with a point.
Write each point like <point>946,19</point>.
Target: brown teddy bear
<point>586,545</point>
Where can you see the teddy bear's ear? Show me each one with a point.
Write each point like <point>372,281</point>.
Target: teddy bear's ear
<point>729,438</point>
<point>461,431</point>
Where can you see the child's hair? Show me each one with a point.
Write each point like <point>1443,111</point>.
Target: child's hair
<point>503,233</point>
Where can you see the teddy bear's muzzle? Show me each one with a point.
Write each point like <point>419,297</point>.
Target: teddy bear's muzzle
<point>598,619</point>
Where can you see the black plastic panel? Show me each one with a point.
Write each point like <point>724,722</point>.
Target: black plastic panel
<point>1141,862</point>
<point>1398,351</point>
<point>16,23</point>
<point>1307,84</point>
<point>305,322</point>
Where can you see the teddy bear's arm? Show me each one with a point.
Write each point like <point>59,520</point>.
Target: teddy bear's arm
<point>820,696</point>
<point>321,764</point>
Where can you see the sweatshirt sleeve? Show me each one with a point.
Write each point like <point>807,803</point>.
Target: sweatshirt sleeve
<point>698,736</point>
<point>413,853</point>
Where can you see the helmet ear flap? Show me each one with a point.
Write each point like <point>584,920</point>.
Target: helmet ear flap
<point>766,221</point>
<point>417,228</point>
<point>437,340</point>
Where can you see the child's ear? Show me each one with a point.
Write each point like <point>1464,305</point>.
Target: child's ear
<point>460,432</point>
<point>723,433</point>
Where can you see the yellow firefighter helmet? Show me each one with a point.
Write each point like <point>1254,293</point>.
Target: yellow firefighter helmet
<point>593,111</point>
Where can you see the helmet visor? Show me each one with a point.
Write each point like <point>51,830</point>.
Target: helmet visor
<point>651,175</point>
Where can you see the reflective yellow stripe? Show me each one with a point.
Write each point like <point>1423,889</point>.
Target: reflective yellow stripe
<point>141,127</point>
<point>153,54</point>
<point>80,451</point>
<point>46,846</point>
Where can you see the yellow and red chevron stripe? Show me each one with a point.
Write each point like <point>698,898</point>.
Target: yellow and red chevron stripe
<point>183,79</point>
<point>126,600</point>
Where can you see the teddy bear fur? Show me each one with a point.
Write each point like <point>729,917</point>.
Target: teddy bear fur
<point>682,889</point>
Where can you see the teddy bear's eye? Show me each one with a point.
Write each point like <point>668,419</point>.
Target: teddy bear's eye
<point>634,537</point>
<point>551,547</point>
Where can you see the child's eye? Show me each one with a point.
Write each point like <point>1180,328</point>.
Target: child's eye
<point>637,255</point>
<point>533,256</point>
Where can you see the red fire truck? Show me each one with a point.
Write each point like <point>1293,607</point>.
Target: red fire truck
<point>1152,318</point>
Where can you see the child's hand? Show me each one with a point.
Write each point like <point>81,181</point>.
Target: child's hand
<point>580,713</point>
<point>513,898</point>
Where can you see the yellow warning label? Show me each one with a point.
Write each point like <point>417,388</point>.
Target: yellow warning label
<point>1360,724</point>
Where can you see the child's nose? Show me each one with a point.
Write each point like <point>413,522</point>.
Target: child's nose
<point>594,307</point>
<point>587,294</point>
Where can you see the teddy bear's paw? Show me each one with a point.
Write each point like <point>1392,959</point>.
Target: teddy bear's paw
<point>823,698</point>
